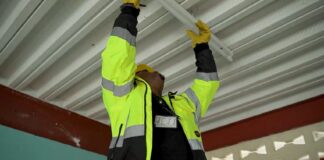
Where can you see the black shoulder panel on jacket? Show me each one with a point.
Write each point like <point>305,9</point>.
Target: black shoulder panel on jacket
<point>205,60</point>
<point>128,19</point>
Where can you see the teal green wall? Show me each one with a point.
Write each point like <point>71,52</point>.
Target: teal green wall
<point>18,145</point>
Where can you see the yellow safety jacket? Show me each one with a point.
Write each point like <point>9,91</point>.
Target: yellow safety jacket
<point>127,97</point>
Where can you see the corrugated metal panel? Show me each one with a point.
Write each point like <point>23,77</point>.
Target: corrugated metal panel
<point>50,49</point>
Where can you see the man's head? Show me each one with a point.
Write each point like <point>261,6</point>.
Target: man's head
<point>153,78</point>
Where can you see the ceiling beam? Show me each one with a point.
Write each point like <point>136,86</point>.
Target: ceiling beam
<point>35,16</point>
<point>189,21</point>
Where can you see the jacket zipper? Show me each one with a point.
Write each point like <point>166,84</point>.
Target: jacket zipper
<point>115,145</point>
<point>144,111</point>
<point>171,96</point>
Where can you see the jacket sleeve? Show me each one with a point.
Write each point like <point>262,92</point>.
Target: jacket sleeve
<point>206,82</point>
<point>118,58</point>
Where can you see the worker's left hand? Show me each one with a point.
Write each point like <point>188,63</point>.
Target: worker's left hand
<point>136,3</point>
<point>204,34</point>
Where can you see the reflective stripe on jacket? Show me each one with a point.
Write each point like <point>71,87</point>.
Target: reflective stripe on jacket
<point>127,98</point>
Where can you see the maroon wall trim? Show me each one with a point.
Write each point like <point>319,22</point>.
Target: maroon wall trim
<point>296,115</point>
<point>28,114</point>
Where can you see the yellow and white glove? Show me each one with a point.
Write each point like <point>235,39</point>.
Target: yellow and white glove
<point>136,3</point>
<point>204,34</point>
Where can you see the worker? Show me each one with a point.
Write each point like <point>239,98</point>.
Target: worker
<point>146,125</point>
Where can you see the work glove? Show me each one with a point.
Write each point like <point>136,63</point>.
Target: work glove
<point>136,3</point>
<point>204,34</point>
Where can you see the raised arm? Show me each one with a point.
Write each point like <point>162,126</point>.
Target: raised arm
<point>206,82</point>
<point>118,58</point>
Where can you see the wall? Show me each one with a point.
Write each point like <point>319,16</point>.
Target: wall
<point>304,143</point>
<point>293,116</point>
<point>18,145</point>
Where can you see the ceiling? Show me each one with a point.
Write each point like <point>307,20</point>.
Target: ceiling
<point>50,49</point>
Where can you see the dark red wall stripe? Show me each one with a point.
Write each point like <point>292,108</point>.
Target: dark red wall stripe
<point>31,115</point>
<point>34,116</point>
<point>296,115</point>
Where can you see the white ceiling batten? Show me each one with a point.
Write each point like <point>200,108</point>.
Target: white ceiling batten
<point>293,48</point>
<point>73,105</point>
<point>90,108</point>
<point>28,24</point>
<point>266,20</point>
<point>56,86</point>
<point>187,19</point>
<point>9,27</point>
<point>291,20</point>
<point>42,56</point>
<point>237,13</point>
<point>82,93</point>
<point>97,112</point>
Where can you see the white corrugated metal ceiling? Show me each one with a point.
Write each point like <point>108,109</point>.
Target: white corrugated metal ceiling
<point>50,49</point>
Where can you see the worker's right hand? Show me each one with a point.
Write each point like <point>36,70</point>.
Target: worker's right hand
<point>204,34</point>
<point>136,3</point>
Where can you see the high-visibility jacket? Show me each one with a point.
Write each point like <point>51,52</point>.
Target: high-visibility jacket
<point>128,98</point>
